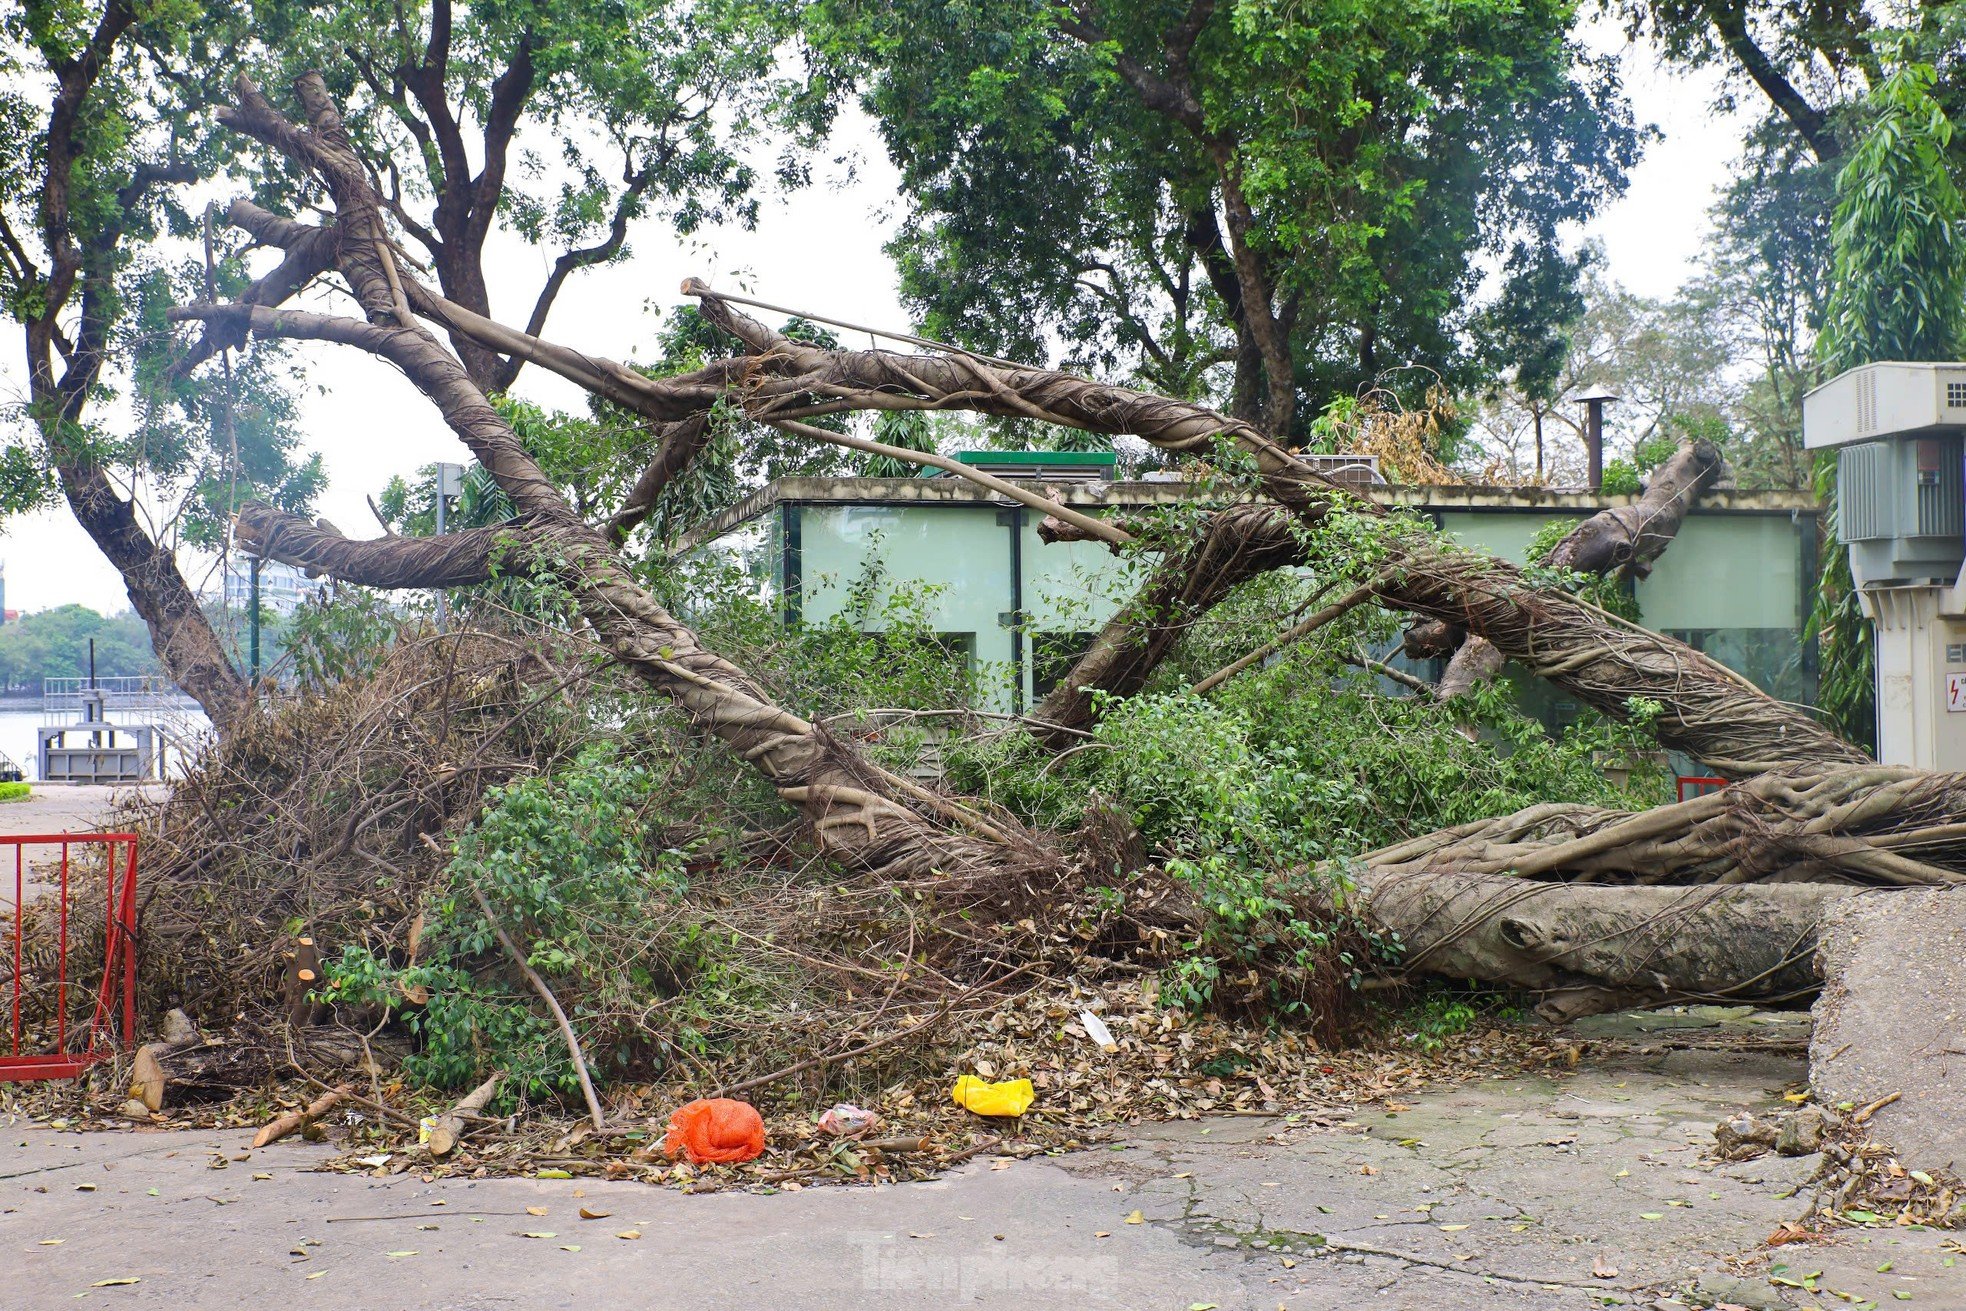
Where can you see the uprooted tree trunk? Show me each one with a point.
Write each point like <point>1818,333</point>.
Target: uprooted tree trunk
<point>1716,897</point>
<point>1591,949</point>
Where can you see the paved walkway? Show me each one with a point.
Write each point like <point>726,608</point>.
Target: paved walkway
<point>50,809</point>
<point>1517,1193</point>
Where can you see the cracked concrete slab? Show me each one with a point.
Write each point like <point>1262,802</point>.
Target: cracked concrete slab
<point>1508,1193</point>
<point>1892,1018</point>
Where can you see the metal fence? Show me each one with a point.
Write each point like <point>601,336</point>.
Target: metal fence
<point>63,1011</point>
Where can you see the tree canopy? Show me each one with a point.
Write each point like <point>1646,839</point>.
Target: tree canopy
<point>1271,204</point>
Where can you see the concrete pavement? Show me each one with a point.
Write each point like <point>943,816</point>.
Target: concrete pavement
<point>1508,1193</point>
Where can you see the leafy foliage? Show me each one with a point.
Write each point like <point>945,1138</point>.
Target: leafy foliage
<point>1146,185</point>
<point>569,867</point>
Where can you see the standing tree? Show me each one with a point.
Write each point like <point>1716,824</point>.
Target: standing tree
<point>99,134</point>
<point>1898,292</point>
<point>1301,198</point>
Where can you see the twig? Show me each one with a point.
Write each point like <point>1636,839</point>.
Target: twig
<point>857,1052</point>
<point>1863,1116</point>
<point>957,1158</point>
<point>552,1004</point>
<point>380,1109</point>
<point>412,1215</point>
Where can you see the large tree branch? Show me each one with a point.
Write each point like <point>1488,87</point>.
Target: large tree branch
<point>459,559</point>
<point>1730,22</point>
<point>309,252</point>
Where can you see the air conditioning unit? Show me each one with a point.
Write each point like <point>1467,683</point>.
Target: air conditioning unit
<point>1897,430</point>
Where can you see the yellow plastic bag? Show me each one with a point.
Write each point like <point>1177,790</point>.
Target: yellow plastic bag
<point>1011,1097</point>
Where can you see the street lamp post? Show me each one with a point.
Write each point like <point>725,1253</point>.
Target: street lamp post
<point>1594,399</point>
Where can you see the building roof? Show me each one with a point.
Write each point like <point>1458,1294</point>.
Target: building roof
<point>1093,494</point>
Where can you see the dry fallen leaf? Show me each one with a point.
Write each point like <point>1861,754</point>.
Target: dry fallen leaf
<point>1789,1232</point>
<point>53,1242</point>
<point>535,1210</point>
<point>114,1283</point>
<point>1452,1229</point>
<point>629,1233</point>
<point>569,1247</point>
<point>1135,1218</point>
<point>589,1213</point>
<point>1368,1169</point>
<point>1601,1270</point>
<point>1102,1233</point>
<point>539,1233</point>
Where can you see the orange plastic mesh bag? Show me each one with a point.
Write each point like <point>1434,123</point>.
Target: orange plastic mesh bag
<point>716,1129</point>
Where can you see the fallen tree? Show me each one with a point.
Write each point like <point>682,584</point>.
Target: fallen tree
<point>1588,949</point>
<point>974,894</point>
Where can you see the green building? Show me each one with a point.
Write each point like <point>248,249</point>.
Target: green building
<point>1735,584</point>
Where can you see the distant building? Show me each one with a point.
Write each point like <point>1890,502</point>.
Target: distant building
<point>282,587</point>
<point>1737,584</point>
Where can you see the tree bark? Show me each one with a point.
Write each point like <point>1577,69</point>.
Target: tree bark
<point>1475,663</point>
<point>1591,948</point>
<point>1623,541</point>
<point>1877,826</point>
<point>860,813</point>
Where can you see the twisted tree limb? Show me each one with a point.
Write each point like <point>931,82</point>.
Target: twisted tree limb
<point>1878,826</point>
<point>862,815</point>
<point>1617,542</point>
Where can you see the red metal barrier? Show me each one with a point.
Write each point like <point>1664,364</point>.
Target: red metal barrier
<point>74,1047</point>
<point>1698,785</point>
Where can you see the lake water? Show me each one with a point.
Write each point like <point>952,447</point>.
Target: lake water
<point>21,720</point>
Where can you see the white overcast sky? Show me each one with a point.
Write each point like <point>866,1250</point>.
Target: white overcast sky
<point>820,249</point>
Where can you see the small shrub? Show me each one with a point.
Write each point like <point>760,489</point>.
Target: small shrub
<point>569,866</point>
<point>15,791</point>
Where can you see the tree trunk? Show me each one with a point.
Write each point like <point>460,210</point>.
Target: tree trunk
<point>1622,542</point>
<point>1593,948</point>
<point>190,651</point>
<point>1880,826</point>
<point>1475,663</point>
<point>1619,542</point>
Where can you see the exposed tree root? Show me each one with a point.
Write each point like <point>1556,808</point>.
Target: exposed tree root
<point>1878,826</point>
